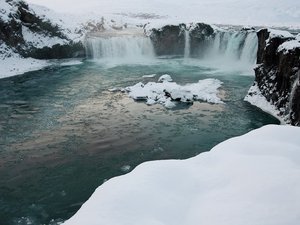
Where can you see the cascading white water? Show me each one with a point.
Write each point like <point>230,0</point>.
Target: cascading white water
<point>234,45</point>
<point>187,45</point>
<point>226,49</point>
<point>120,47</point>
<point>249,51</point>
<point>239,47</point>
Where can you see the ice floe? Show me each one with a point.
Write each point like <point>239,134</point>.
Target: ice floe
<point>168,93</point>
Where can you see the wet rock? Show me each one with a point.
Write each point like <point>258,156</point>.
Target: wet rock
<point>277,74</point>
<point>71,50</point>
<point>200,35</point>
<point>168,40</point>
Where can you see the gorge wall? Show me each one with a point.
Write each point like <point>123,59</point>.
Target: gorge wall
<point>205,42</point>
<point>278,71</point>
<point>277,53</point>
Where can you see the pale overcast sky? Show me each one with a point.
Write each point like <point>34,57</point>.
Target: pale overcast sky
<point>255,12</point>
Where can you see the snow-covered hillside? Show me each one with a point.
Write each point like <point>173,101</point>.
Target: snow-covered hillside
<point>37,32</point>
<point>251,179</point>
<point>243,12</point>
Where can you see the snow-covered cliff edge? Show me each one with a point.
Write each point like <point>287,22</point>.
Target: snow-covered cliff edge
<point>244,180</point>
<point>277,75</point>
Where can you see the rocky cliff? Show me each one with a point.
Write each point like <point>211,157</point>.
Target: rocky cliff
<point>170,39</point>
<point>32,35</point>
<point>278,70</point>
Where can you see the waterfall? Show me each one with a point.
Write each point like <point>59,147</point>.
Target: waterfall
<point>187,44</point>
<point>120,47</point>
<point>237,47</point>
<point>249,52</point>
<point>233,47</point>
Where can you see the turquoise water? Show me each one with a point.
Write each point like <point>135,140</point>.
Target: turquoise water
<point>62,134</point>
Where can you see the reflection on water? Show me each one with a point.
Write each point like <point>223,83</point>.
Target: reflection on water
<point>63,134</point>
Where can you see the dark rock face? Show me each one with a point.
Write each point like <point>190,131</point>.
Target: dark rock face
<point>72,50</point>
<point>295,102</point>
<point>11,34</point>
<point>201,36</point>
<point>277,75</point>
<point>170,39</point>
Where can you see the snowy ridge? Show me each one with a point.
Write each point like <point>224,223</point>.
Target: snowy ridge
<point>280,33</point>
<point>244,180</point>
<point>71,25</point>
<point>290,45</point>
<point>40,40</point>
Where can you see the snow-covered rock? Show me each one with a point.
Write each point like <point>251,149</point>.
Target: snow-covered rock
<point>165,78</point>
<point>251,179</point>
<point>277,73</point>
<point>168,93</point>
<point>289,46</point>
<point>256,98</point>
<point>29,32</point>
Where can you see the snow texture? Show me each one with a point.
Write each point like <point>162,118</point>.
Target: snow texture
<point>290,45</point>
<point>251,179</point>
<point>279,33</point>
<point>149,76</point>
<point>287,45</point>
<point>12,64</point>
<point>40,40</point>
<point>165,78</point>
<point>255,97</point>
<point>168,93</point>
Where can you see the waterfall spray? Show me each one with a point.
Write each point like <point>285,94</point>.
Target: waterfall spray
<point>187,45</point>
<point>120,47</point>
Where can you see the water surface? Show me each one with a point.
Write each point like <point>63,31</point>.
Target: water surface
<point>62,134</point>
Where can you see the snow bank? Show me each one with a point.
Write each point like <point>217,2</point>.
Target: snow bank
<point>251,179</point>
<point>12,64</point>
<point>168,92</point>
<point>280,33</point>
<point>289,45</point>
<point>254,97</point>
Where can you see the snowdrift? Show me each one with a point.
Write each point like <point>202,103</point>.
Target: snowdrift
<point>251,179</point>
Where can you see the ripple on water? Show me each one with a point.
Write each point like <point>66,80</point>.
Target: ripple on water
<point>67,134</point>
